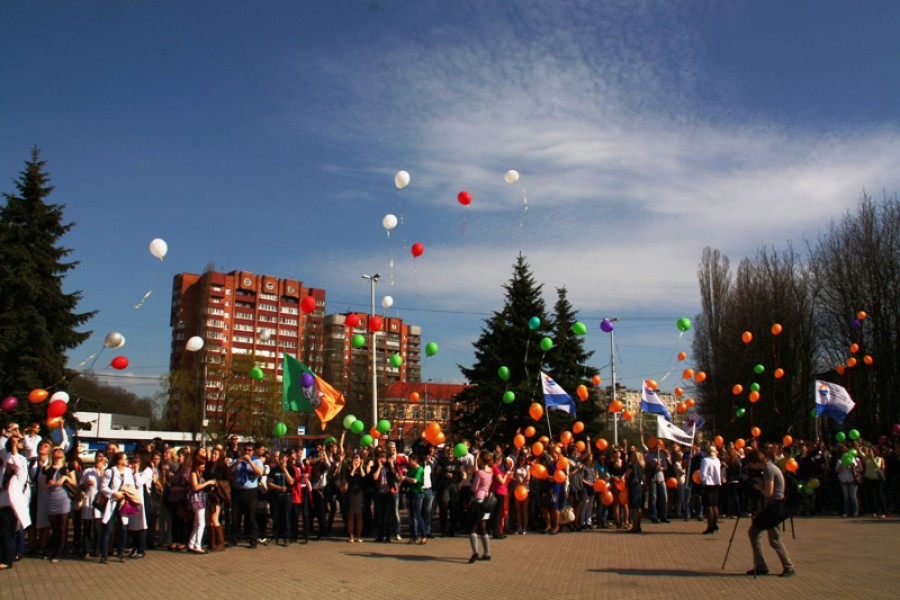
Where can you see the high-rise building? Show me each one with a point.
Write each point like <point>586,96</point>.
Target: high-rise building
<point>241,314</point>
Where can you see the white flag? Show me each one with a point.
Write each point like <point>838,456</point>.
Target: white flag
<point>668,431</point>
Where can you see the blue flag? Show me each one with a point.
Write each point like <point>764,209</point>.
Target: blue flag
<point>555,397</point>
<point>833,401</point>
<point>651,403</point>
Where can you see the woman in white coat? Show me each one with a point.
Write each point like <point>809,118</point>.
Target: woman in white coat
<point>115,485</point>
<point>91,480</point>
<point>14,513</point>
<point>137,524</point>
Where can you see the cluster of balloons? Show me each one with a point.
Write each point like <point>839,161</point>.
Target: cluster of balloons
<point>433,434</point>
<point>57,406</point>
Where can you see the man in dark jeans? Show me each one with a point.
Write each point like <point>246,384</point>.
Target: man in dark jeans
<point>245,473</point>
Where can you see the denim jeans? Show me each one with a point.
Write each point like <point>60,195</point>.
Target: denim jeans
<point>427,506</point>
<point>414,508</point>
<point>121,534</point>
<point>396,498</point>
<point>851,506</point>
<point>658,500</point>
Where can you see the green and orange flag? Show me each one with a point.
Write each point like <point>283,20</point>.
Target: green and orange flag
<point>304,391</point>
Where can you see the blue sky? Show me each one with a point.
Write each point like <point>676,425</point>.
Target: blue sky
<point>265,137</point>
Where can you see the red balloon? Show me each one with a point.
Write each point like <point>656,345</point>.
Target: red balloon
<point>352,320</point>
<point>465,198</point>
<point>57,408</point>
<point>307,305</point>
<point>375,323</point>
<point>119,363</point>
<point>417,249</point>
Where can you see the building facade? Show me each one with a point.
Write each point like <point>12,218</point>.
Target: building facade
<point>410,406</point>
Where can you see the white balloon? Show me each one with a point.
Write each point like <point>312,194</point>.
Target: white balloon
<point>114,339</point>
<point>265,335</point>
<point>401,179</point>
<point>60,396</point>
<point>511,176</point>
<point>389,222</point>
<point>194,344</point>
<point>387,302</point>
<point>159,248</point>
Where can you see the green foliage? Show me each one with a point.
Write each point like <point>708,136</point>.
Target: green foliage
<point>38,321</point>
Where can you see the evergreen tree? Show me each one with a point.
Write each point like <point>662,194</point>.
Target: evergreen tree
<point>507,341</point>
<point>567,364</point>
<point>38,322</point>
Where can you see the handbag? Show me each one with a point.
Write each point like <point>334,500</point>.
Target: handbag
<point>566,515</point>
<point>128,508</point>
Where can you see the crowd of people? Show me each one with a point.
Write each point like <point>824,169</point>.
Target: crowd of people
<point>205,499</point>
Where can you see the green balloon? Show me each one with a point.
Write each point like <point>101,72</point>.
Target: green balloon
<point>754,387</point>
<point>740,412</point>
<point>683,324</point>
<point>809,491</point>
<point>396,360</point>
<point>814,412</point>
<point>579,328</point>
<point>431,349</point>
<point>758,369</point>
<point>280,430</point>
<point>854,434</point>
<point>256,374</point>
<point>534,323</point>
<point>503,373</point>
<point>357,426</point>
<point>460,450</point>
<point>546,344</point>
<point>508,397</point>
<point>330,440</point>
<point>847,460</point>
<point>840,436</point>
<point>348,421</point>
<point>358,341</point>
<point>366,440</point>
<point>383,426</point>
<point>853,452</point>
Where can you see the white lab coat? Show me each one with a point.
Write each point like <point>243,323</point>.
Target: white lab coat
<point>113,480</point>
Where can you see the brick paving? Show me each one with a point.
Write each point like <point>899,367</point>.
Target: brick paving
<point>832,556</point>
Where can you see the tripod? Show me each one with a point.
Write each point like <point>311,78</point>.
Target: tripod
<point>733,531</point>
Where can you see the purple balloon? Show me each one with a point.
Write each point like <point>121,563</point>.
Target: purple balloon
<point>9,404</point>
<point>307,380</point>
<point>854,324</point>
<point>607,326</point>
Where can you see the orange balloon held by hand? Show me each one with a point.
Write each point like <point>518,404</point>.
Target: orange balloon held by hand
<point>522,493</point>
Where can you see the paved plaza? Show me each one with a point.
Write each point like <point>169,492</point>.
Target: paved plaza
<point>832,556</point>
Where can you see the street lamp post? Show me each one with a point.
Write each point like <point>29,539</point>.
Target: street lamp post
<point>372,279</point>
<point>612,362</point>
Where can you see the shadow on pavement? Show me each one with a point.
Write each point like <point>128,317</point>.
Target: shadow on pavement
<point>409,557</point>
<point>666,573</point>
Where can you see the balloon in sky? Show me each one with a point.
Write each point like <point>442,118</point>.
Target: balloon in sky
<point>534,323</point>
<point>607,326</point>
<point>579,328</point>
<point>265,335</point>
<point>389,222</point>
<point>509,397</point>
<point>396,360</point>
<point>256,374</point>
<point>37,395</point>
<point>307,380</point>
<point>546,344</point>
<point>511,176</point>
<point>358,341</point>
<point>387,302</point>
<point>60,396</point>
<point>503,373</point>
<point>159,248</point>
<point>357,426</point>
<point>307,305</point>
<point>348,421</point>
<point>465,198</point>
<point>193,344</point>
<point>119,363</point>
<point>431,348</point>
<point>401,179</point>
<point>9,404</point>
<point>114,339</point>
<point>375,323</point>
<point>352,320</point>
<point>383,426</point>
<point>280,430</point>
<point>417,249</point>
<point>683,324</point>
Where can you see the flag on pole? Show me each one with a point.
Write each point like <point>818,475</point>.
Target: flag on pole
<point>317,396</point>
<point>833,401</point>
<point>668,431</point>
<point>651,403</point>
<point>555,397</point>
<point>692,421</point>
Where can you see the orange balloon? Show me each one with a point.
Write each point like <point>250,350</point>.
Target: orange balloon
<point>776,329</point>
<point>580,446</point>
<point>851,362</point>
<point>779,373</point>
<point>700,377</point>
<point>440,438</point>
<point>867,359</point>
<point>37,395</point>
<point>627,415</point>
<point>582,392</point>
<point>375,433</point>
<point>687,374</point>
<point>755,432</point>
<point>651,383</point>
<point>601,444</point>
<point>679,392</point>
<point>562,463</point>
<point>652,442</point>
<point>600,486</point>
<point>696,477</point>
<point>606,498</point>
<point>682,355</point>
<point>620,485</point>
<point>577,427</point>
<point>55,422</point>
<point>544,440</point>
<point>737,390</point>
<point>596,379</point>
<point>719,440</point>
<point>787,441</point>
<point>739,443</point>
<point>536,411</point>
<point>530,431</point>
<point>566,438</point>
<point>537,448</point>
<point>559,476</point>
<point>791,465</point>
<point>623,497</point>
<point>854,348</point>
<point>690,402</point>
<point>747,337</point>
<point>519,441</point>
<point>616,406</point>
<point>681,407</point>
<point>839,369</point>
<point>414,397</point>
<point>539,471</point>
<point>671,483</point>
<point>521,493</point>
<point>432,429</point>
<point>754,396</point>
<point>861,315</point>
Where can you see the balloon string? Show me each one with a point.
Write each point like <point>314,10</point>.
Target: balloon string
<point>524,207</point>
<point>671,355</point>
<point>527,344</point>
<point>144,299</point>
<point>465,220</point>
<point>390,255</point>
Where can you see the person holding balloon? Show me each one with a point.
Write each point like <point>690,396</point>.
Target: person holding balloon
<point>14,513</point>
<point>414,478</point>
<point>521,477</point>
<point>849,474</point>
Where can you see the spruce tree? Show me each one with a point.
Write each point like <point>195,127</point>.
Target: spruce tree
<point>506,341</point>
<point>38,321</point>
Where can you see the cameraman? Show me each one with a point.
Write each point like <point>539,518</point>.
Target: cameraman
<point>767,520</point>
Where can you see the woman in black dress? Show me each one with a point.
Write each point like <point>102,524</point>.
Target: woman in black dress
<point>354,477</point>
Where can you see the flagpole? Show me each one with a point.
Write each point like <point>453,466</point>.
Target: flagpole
<point>372,351</point>
<point>612,362</point>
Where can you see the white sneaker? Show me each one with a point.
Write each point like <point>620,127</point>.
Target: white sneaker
<point>398,538</point>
